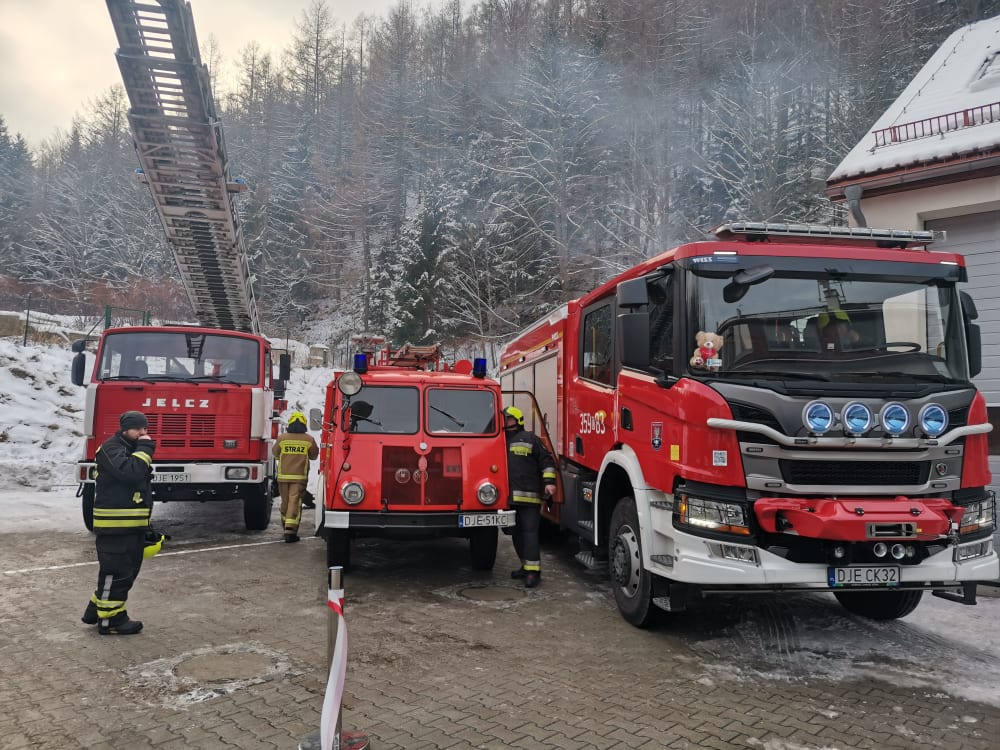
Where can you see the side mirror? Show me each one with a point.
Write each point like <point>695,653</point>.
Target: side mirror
<point>973,335</point>
<point>279,389</point>
<point>79,345</point>
<point>315,419</point>
<point>284,366</point>
<point>78,367</point>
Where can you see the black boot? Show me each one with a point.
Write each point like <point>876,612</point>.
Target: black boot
<point>120,625</point>
<point>90,615</point>
<point>518,574</point>
<point>291,537</point>
<point>532,578</point>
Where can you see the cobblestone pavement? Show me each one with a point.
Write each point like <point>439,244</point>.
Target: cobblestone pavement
<point>234,648</point>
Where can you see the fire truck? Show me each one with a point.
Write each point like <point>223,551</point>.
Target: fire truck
<point>207,390</point>
<point>212,406</point>
<point>783,408</point>
<point>411,447</point>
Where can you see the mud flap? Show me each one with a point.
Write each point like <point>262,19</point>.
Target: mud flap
<point>671,596</point>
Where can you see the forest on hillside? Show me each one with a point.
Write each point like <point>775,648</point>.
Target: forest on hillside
<point>450,171</point>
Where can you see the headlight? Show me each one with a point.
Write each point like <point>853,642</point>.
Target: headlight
<point>857,418</point>
<point>818,418</point>
<point>933,420</point>
<point>349,383</point>
<point>894,418</point>
<point>237,472</point>
<point>979,516</point>
<point>488,493</point>
<point>353,493</point>
<point>712,515</point>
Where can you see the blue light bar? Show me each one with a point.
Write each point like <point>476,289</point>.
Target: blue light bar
<point>479,367</point>
<point>360,363</point>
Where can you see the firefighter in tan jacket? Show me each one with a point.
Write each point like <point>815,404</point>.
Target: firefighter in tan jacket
<point>294,450</point>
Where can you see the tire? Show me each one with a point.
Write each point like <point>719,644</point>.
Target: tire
<point>631,584</point>
<point>257,509</point>
<point>483,548</point>
<point>87,505</point>
<point>879,605</point>
<point>338,548</point>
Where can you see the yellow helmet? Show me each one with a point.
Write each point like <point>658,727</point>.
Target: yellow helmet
<point>513,411</point>
<point>297,416</point>
<point>152,544</point>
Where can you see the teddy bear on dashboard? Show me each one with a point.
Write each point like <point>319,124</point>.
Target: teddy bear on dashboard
<point>706,356</point>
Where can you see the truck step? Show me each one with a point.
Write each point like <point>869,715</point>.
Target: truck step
<point>591,561</point>
<point>968,595</point>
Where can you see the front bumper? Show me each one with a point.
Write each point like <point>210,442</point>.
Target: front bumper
<point>458,522</point>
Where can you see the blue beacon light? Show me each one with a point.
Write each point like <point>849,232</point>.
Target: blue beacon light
<point>360,363</point>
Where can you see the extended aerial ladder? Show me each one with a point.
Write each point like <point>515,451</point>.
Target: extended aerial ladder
<point>180,145</point>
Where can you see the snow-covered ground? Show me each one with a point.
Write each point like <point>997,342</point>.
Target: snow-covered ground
<point>41,414</point>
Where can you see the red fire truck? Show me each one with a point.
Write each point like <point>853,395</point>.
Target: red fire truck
<point>784,408</point>
<point>212,407</point>
<point>411,448</point>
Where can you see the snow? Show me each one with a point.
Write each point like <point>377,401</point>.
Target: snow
<point>40,440</point>
<point>952,80</point>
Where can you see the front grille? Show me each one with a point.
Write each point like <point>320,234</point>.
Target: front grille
<point>409,480</point>
<point>855,473</point>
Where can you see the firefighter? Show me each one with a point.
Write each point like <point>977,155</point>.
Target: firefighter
<point>531,472</point>
<point>294,449</point>
<point>123,504</point>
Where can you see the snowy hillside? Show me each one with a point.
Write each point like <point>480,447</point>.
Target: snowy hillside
<point>41,412</point>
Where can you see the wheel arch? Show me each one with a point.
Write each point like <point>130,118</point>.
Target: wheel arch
<point>620,475</point>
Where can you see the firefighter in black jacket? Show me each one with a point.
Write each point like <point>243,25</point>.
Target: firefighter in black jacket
<point>123,504</point>
<point>530,469</point>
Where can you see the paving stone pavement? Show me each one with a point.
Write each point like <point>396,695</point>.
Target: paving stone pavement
<point>440,656</point>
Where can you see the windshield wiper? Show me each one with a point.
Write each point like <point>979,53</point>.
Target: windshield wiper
<point>457,421</point>
<point>925,377</point>
<point>784,374</point>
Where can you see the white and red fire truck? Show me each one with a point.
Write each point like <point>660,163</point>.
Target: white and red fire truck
<point>784,408</point>
<point>411,448</point>
<point>212,407</point>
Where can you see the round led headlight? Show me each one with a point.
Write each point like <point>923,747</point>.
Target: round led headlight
<point>818,417</point>
<point>933,420</point>
<point>349,383</point>
<point>402,476</point>
<point>488,493</point>
<point>894,418</point>
<point>857,418</point>
<point>353,493</point>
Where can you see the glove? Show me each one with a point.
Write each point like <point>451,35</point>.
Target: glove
<point>550,491</point>
<point>146,445</point>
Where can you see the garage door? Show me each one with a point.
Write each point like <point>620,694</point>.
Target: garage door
<point>977,237</point>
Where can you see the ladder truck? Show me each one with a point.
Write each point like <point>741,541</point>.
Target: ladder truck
<point>208,390</point>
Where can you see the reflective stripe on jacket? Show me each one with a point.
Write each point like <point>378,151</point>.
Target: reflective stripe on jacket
<point>529,467</point>
<point>123,497</point>
<point>293,451</point>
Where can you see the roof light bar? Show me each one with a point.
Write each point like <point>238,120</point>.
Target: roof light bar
<point>891,237</point>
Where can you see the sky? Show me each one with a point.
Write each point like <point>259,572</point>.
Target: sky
<point>56,56</point>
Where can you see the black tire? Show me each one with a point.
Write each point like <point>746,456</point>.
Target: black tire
<point>257,509</point>
<point>87,505</point>
<point>879,605</point>
<point>631,583</point>
<point>483,548</point>
<point>338,548</point>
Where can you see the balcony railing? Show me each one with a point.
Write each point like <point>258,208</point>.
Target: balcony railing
<point>910,131</point>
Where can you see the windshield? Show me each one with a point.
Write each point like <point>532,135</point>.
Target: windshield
<point>174,355</point>
<point>470,412</point>
<point>385,409</point>
<point>825,324</point>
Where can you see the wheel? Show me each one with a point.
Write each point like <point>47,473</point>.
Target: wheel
<point>631,583</point>
<point>257,509</point>
<point>87,503</point>
<point>879,605</point>
<point>483,548</point>
<point>338,548</point>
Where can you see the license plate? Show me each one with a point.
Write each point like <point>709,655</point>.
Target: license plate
<point>470,520</point>
<point>171,478</point>
<point>863,575</point>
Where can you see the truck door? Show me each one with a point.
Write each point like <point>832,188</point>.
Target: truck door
<point>591,403</point>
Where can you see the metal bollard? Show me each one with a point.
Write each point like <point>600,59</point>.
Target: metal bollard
<point>331,736</point>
